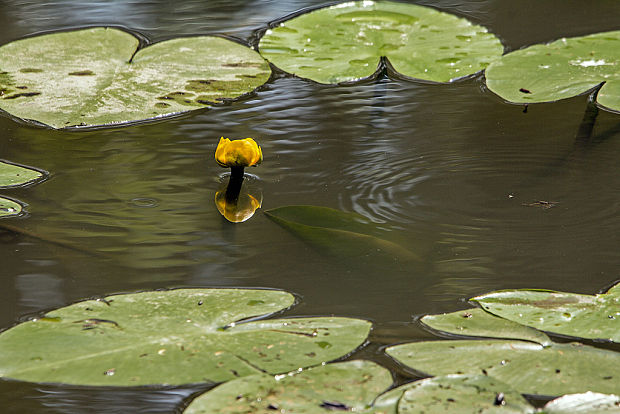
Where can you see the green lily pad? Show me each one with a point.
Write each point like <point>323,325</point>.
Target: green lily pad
<point>172,337</point>
<point>589,402</point>
<point>12,175</point>
<point>97,76</point>
<point>345,386</point>
<point>346,42</point>
<point>462,393</point>
<point>585,316</point>
<point>559,70</point>
<point>340,234</point>
<point>9,208</point>
<point>476,322</point>
<point>529,368</point>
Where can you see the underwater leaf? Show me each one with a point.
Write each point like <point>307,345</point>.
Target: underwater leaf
<point>345,42</point>
<point>476,322</point>
<point>462,393</point>
<point>559,70</point>
<point>584,316</point>
<point>340,234</point>
<point>172,337</point>
<point>95,76</point>
<point>586,403</point>
<point>345,386</point>
<point>12,175</point>
<point>528,367</point>
<point>9,208</point>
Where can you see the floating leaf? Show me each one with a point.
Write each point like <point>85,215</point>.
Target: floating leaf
<point>9,208</point>
<point>340,234</point>
<point>172,337</point>
<point>559,70</point>
<point>476,322</point>
<point>345,42</point>
<point>529,368</point>
<point>589,402</point>
<point>95,76</point>
<point>462,393</point>
<point>346,386</point>
<point>585,316</point>
<point>12,175</point>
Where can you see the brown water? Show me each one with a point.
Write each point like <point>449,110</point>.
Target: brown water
<point>445,169</point>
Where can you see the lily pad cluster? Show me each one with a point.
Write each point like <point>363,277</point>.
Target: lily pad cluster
<point>13,175</point>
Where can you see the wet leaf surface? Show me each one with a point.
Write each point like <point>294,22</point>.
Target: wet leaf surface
<point>12,175</point>
<point>585,316</point>
<point>345,42</point>
<point>589,402</point>
<point>529,368</point>
<point>95,76</point>
<point>341,387</point>
<point>476,322</point>
<point>561,69</point>
<point>9,208</point>
<point>172,337</point>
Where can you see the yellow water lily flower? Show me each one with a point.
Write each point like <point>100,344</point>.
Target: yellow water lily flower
<point>238,153</point>
<point>238,210</point>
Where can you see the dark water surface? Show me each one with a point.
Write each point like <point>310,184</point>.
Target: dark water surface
<point>444,169</point>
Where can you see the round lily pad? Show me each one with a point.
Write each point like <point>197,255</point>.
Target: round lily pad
<point>584,316</point>
<point>97,76</point>
<point>345,386</point>
<point>9,207</point>
<point>561,69</point>
<point>12,175</point>
<point>346,42</point>
<point>172,337</point>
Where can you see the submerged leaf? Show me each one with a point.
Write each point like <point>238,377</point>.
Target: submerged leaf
<point>559,70</point>
<point>476,322</point>
<point>172,337</point>
<point>529,368</point>
<point>95,76</point>
<point>345,42</point>
<point>585,316</point>
<point>345,386</point>
<point>12,175</point>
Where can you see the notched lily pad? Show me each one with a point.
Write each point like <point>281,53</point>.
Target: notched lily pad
<point>562,69</point>
<point>584,316</point>
<point>345,386</point>
<point>476,322</point>
<point>172,337</point>
<point>346,42</point>
<point>97,76</point>
<point>529,368</point>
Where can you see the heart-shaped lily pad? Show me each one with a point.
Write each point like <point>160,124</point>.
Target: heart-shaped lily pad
<point>584,316</point>
<point>172,337</point>
<point>346,42</point>
<point>561,69</point>
<point>345,386</point>
<point>529,368</point>
<point>476,322</point>
<point>98,76</point>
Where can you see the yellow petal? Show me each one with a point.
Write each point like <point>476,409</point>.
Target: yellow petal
<point>238,153</point>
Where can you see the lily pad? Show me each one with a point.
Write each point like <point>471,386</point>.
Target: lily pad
<point>589,402</point>
<point>172,337</point>
<point>476,322</point>
<point>97,76</point>
<point>9,208</point>
<point>346,42</point>
<point>346,386</point>
<point>559,70</point>
<point>529,368</point>
<point>584,316</point>
<point>340,234</point>
<point>12,175</point>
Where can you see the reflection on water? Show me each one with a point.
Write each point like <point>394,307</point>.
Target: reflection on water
<point>447,171</point>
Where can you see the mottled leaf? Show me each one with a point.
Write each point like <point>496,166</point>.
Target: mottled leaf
<point>345,42</point>
<point>559,70</point>
<point>172,337</point>
<point>345,386</point>
<point>97,76</point>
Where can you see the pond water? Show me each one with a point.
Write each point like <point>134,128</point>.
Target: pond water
<point>447,170</point>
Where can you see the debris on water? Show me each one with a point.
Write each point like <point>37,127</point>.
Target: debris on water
<point>541,203</point>
<point>499,399</point>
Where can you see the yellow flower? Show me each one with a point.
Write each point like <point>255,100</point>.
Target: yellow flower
<point>238,153</point>
<point>239,210</point>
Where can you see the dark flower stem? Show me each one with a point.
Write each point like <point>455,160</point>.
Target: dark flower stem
<point>234,184</point>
